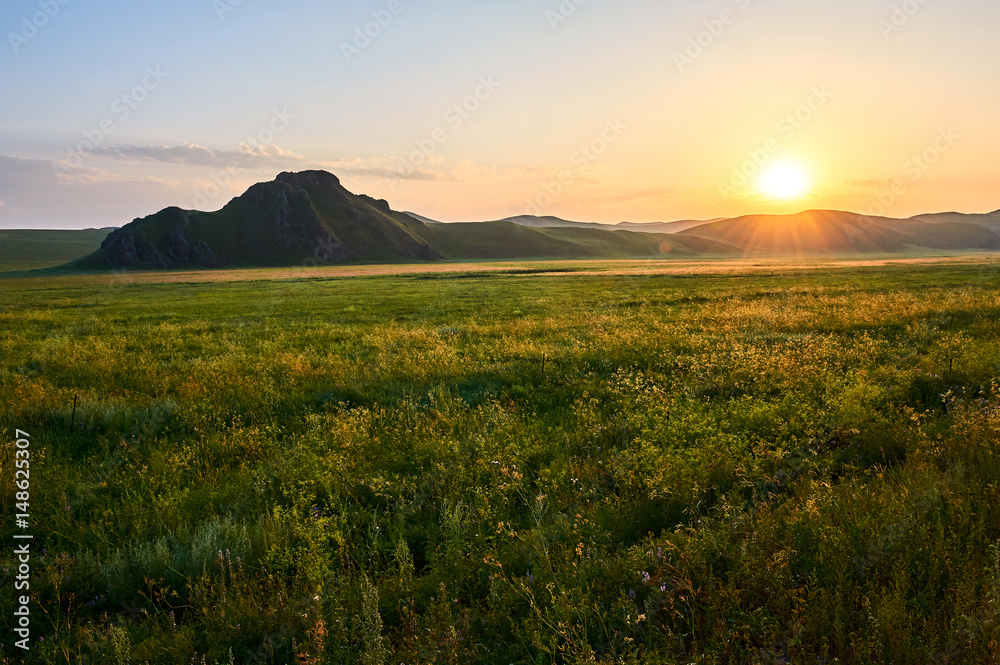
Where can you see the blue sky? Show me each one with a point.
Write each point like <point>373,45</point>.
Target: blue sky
<point>559,73</point>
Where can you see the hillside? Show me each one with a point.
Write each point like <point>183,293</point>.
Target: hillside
<point>639,227</point>
<point>507,240</point>
<point>303,217</point>
<point>550,222</point>
<point>32,249</point>
<point>295,218</point>
<point>664,227</point>
<point>827,231</point>
<point>989,221</point>
<point>309,215</point>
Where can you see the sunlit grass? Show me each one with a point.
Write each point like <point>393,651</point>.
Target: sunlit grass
<point>789,466</point>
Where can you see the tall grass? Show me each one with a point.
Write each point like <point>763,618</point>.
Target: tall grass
<point>780,468</point>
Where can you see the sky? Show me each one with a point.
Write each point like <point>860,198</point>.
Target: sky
<point>591,110</point>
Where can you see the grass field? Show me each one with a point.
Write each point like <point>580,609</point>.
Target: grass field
<point>34,249</point>
<point>525,463</point>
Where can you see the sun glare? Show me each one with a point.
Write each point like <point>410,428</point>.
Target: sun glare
<point>784,182</point>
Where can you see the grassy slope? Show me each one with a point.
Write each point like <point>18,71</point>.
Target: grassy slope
<point>246,233</point>
<point>786,467</point>
<point>31,249</point>
<point>945,235</point>
<point>383,235</point>
<point>815,232</point>
<point>989,221</point>
<point>506,240</point>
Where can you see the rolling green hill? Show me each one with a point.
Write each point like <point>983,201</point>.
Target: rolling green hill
<point>302,218</point>
<point>507,240</point>
<point>835,232</point>
<point>31,249</point>
<point>989,221</point>
<point>297,218</point>
<point>310,216</point>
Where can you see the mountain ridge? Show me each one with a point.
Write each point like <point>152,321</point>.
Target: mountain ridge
<point>835,231</point>
<point>309,217</point>
<point>296,217</point>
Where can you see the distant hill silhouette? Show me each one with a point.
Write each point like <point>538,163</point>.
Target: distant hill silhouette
<point>640,227</point>
<point>41,248</point>
<point>507,240</point>
<point>990,221</point>
<point>830,231</point>
<point>286,221</point>
<point>295,217</point>
<point>664,227</point>
<point>310,215</point>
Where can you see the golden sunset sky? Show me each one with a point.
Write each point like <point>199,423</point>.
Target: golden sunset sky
<point>585,109</point>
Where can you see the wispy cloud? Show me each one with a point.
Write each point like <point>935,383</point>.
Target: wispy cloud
<point>35,198</point>
<point>190,154</point>
<point>263,158</point>
<point>377,171</point>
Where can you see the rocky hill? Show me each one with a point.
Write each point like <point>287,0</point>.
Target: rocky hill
<point>295,218</point>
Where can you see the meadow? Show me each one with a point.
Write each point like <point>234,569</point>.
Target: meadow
<point>718,465</point>
<point>30,250</point>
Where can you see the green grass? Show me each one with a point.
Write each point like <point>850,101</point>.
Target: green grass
<point>506,240</point>
<point>755,466</point>
<point>30,250</point>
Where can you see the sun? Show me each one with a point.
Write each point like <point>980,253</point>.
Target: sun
<point>784,182</point>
